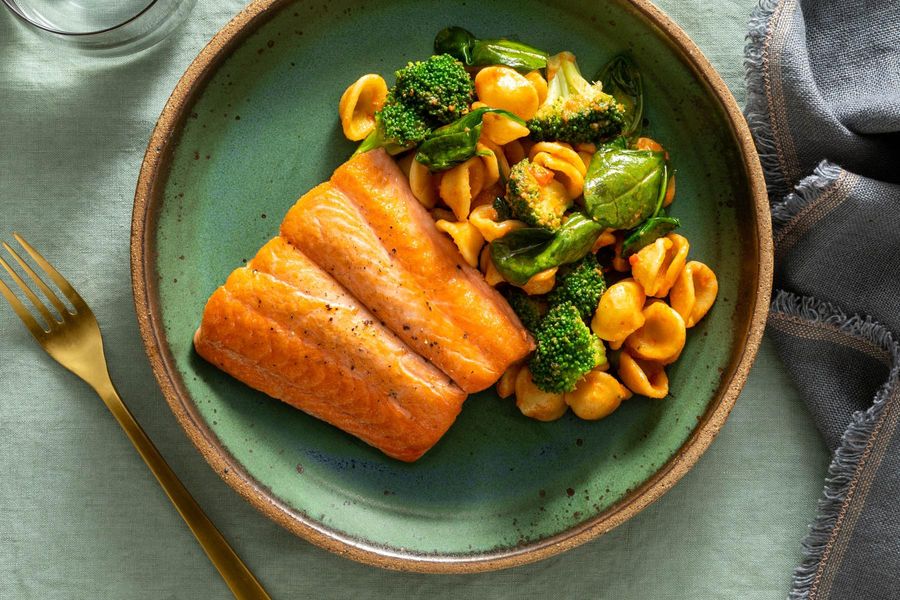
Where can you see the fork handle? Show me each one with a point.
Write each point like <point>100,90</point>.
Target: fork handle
<point>240,580</point>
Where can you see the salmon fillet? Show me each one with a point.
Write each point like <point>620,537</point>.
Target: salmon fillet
<point>368,231</point>
<point>283,326</point>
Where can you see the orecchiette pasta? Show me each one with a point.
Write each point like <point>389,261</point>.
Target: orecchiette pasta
<point>564,172</point>
<point>643,377</point>
<point>585,158</point>
<point>423,183</point>
<point>661,338</point>
<point>541,283</point>
<point>619,262</point>
<point>487,267</point>
<point>495,162</point>
<point>466,238</point>
<point>607,238</point>
<point>514,152</point>
<point>596,396</point>
<point>657,266</point>
<point>619,312</point>
<point>694,292</point>
<point>405,163</point>
<point>358,106</point>
<point>560,150</point>
<point>645,143</point>
<point>460,184</point>
<point>502,87</point>
<point>506,385</point>
<point>484,218</point>
<point>586,153</point>
<point>535,403</point>
<point>565,163</point>
<point>499,129</point>
<point>490,164</point>
<point>539,83</point>
<point>670,191</point>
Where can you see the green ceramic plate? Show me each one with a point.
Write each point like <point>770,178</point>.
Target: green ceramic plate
<point>253,125</point>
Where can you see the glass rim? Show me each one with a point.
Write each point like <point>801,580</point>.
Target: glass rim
<point>13,6</point>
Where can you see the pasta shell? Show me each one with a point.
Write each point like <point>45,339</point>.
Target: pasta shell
<point>541,283</point>
<point>460,185</point>
<point>564,172</point>
<point>619,262</point>
<point>358,106</point>
<point>506,385</point>
<point>607,238</point>
<point>661,338</point>
<point>619,312</point>
<point>597,395</point>
<point>486,265</point>
<point>502,87</point>
<point>586,153</point>
<point>670,191</point>
<point>491,163</point>
<point>515,152</point>
<point>559,150</point>
<point>484,219</point>
<point>539,83</point>
<point>643,377</point>
<point>657,266</point>
<point>502,130</point>
<point>535,403</point>
<point>694,292</point>
<point>645,143</point>
<point>423,183</point>
<point>466,238</point>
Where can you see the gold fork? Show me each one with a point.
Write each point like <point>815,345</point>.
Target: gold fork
<point>74,341</point>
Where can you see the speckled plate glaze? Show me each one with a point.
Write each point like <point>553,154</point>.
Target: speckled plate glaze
<point>252,125</point>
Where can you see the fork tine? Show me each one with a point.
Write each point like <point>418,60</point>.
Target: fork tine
<point>28,291</point>
<point>50,294</point>
<point>27,318</point>
<point>59,280</point>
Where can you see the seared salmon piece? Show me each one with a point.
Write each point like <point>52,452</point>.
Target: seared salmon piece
<point>368,231</point>
<point>283,326</point>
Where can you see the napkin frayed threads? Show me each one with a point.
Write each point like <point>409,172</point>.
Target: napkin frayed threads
<point>757,110</point>
<point>805,193</point>
<point>856,442</point>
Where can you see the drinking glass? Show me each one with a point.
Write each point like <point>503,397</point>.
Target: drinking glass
<point>109,27</point>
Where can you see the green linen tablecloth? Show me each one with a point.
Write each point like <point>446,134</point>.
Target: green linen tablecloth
<point>80,515</point>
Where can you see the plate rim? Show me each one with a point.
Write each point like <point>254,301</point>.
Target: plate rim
<point>146,301</point>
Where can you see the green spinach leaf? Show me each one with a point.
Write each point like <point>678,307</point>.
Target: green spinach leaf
<point>622,186</point>
<point>648,232</point>
<point>622,79</point>
<point>523,253</point>
<point>455,143</point>
<point>472,52</point>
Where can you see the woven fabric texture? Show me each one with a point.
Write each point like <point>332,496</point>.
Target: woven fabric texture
<point>80,515</point>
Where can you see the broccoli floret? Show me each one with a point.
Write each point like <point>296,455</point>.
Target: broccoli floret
<point>438,88</point>
<point>529,309</point>
<point>582,284</point>
<point>566,350</point>
<point>576,110</point>
<point>402,124</point>
<point>534,197</point>
<point>397,128</point>
<point>427,94</point>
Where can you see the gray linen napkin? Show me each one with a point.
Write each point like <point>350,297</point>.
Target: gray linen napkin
<point>823,81</point>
